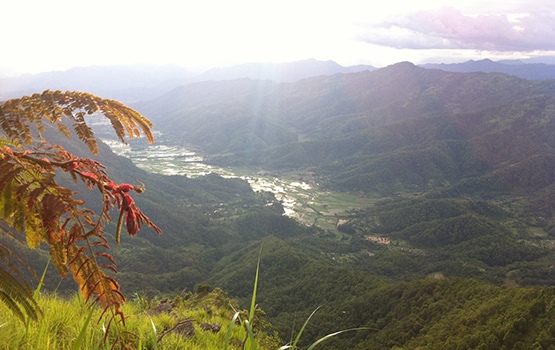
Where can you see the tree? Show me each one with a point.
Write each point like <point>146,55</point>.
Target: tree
<point>33,203</point>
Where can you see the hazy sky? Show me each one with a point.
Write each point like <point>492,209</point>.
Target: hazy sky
<point>44,35</point>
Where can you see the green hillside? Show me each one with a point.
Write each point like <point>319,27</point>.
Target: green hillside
<point>463,162</point>
<point>456,245</point>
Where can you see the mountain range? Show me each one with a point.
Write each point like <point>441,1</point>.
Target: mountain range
<point>356,127</point>
<point>517,68</point>
<point>138,82</point>
<point>280,72</point>
<point>132,83</point>
<point>459,172</point>
<point>124,83</point>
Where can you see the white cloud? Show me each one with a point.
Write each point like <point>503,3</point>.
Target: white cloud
<point>449,28</point>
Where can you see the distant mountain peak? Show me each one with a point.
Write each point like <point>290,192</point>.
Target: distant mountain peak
<point>403,64</point>
<point>531,71</point>
<point>401,68</point>
<point>281,72</point>
<point>485,60</point>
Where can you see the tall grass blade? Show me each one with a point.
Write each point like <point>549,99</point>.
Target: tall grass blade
<point>41,282</point>
<point>230,330</point>
<point>294,345</point>
<point>154,333</point>
<point>251,343</point>
<point>253,300</point>
<point>27,327</point>
<point>83,332</point>
<point>332,335</point>
<point>42,332</point>
<point>36,296</point>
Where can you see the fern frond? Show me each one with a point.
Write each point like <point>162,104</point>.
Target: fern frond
<point>93,281</point>
<point>33,203</point>
<point>17,115</point>
<point>17,297</point>
<point>4,142</point>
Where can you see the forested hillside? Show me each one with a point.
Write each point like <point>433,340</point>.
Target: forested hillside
<point>456,247</point>
<point>357,129</point>
<point>461,165</point>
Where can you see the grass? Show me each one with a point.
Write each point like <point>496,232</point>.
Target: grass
<point>58,328</point>
<point>68,323</point>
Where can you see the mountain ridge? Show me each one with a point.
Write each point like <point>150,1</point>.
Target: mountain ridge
<point>130,83</point>
<point>280,72</point>
<point>364,98</point>
<point>532,71</point>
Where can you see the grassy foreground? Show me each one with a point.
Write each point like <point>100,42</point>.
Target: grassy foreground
<point>67,323</point>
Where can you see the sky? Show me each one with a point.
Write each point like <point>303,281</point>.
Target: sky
<point>38,35</point>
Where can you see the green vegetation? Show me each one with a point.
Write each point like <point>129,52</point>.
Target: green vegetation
<point>456,313</point>
<point>455,172</point>
<point>437,231</point>
<point>35,205</point>
<point>190,321</point>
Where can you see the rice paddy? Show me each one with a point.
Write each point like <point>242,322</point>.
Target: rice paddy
<point>303,201</point>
